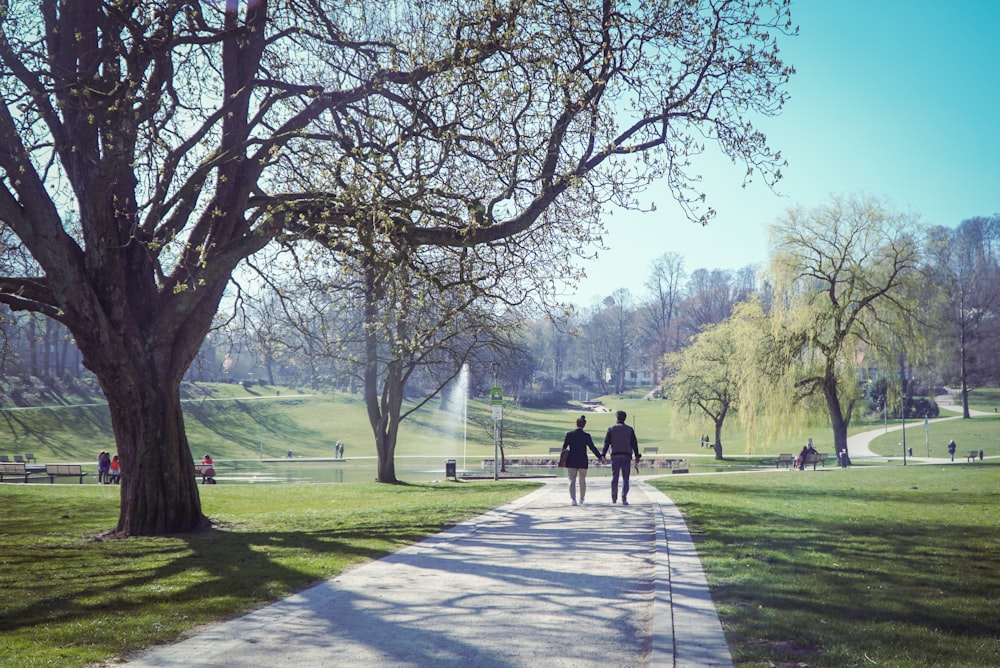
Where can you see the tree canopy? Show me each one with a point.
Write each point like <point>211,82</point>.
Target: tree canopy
<point>844,276</point>
<point>146,150</point>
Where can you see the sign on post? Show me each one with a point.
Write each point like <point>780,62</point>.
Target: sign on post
<point>496,401</point>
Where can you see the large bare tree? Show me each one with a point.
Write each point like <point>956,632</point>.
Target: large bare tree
<point>145,151</point>
<point>844,275</point>
<point>963,274</point>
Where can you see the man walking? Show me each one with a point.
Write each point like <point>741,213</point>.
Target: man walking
<point>622,442</point>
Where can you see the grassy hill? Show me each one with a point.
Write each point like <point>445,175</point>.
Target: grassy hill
<point>230,421</point>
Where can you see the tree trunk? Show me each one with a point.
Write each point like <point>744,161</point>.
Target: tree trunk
<point>139,355</point>
<point>159,494</point>
<point>837,420</point>
<point>718,439</point>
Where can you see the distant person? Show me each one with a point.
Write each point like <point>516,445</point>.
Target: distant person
<point>622,442</point>
<point>578,462</point>
<point>207,470</point>
<point>103,467</point>
<point>800,461</point>
<point>115,472</point>
<point>288,455</point>
<point>951,449</point>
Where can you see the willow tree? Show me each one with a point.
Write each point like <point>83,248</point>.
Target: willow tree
<point>146,148</point>
<point>843,276</point>
<point>703,377</point>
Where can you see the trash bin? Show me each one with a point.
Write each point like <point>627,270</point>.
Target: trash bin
<point>449,469</point>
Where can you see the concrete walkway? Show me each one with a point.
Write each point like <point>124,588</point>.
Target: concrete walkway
<point>536,582</point>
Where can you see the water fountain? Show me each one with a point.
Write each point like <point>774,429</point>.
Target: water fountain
<point>456,408</point>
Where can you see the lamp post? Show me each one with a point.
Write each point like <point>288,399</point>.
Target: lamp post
<point>496,403</point>
<point>903,418</point>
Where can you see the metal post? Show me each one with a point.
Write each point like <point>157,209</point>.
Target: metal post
<point>904,431</point>
<point>496,422</point>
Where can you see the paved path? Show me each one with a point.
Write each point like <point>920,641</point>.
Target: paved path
<point>536,582</point>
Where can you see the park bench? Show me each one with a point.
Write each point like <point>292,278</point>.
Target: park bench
<point>54,471</point>
<point>30,458</point>
<point>814,459</point>
<point>972,456</point>
<point>4,459</point>
<point>15,471</point>
<point>785,460</point>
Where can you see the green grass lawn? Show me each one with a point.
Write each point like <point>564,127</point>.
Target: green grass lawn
<point>233,422</point>
<point>67,599</point>
<point>869,566</point>
<point>981,432</point>
<point>889,566</point>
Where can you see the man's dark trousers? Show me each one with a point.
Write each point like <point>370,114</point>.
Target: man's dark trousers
<point>620,465</point>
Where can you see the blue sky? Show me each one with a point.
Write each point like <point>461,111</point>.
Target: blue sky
<point>893,98</point>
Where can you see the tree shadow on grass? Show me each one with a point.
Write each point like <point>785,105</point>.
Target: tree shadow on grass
<point>817,575</point>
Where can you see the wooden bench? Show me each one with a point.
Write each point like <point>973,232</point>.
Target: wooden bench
<point>972,456</point>
<point>785,460</point>
<point>54,471</point>
<point>814,459</point>
<point>15,471</point>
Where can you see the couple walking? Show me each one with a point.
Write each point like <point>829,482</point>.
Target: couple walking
<point>620,439</point>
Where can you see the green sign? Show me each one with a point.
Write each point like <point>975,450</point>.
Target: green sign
<point>496,401</point>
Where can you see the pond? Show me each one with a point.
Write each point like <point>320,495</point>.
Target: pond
<point>363,469</point>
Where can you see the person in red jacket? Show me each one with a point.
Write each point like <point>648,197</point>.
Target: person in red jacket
<point>115,472</point>
<point>207,470</point>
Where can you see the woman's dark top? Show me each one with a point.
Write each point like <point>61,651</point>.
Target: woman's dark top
<point>578,441</point>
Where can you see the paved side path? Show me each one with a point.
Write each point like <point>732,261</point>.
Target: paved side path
<point>536,582</point>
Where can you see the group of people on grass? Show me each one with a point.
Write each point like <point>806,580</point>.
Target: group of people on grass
<point>620,440</point>
<point>109,469</point>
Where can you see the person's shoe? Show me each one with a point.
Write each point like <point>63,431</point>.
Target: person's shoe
<point>624,502</point>
<point>574,501</point>
<point>581,501</point>
<point>614,500</point>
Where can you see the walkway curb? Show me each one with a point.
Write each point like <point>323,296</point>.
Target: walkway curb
<point>686,626</point>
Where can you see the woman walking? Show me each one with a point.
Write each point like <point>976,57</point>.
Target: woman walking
<point>576,465</point>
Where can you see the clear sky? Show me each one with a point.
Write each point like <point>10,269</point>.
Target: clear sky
<point>892,98</point>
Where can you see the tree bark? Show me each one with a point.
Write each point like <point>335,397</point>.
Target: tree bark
<point>837,419</point>
<point>718,438</point>
<point>159,494</point>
